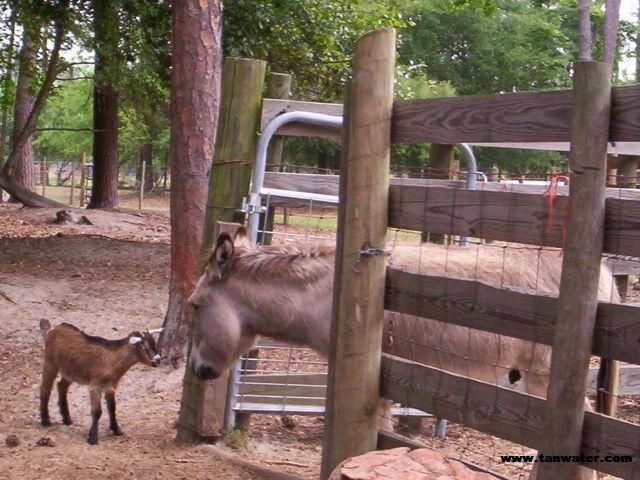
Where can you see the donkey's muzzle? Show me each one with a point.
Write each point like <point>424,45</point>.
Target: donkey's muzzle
<point>204,372</point>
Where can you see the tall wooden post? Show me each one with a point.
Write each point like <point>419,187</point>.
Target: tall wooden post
<point>580,267</point>
<point>202,405</point>
<point>356,327</point>
<point>83,179</point>
<point>143,174</point>
<point>278,86</point>
<point>73,181</point>
<point>44,175</point>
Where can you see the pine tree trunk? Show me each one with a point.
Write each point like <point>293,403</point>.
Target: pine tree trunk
<point>104,192</point>
<point>22,170</point>
<point>195,94</point>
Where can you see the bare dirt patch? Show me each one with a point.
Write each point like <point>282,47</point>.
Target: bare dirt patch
<point>108,287</point>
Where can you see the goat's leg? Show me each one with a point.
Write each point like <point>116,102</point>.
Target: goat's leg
<point>96,412</point>
<point>49,374</point>
<point>110,396</point>
<point>63,404</point>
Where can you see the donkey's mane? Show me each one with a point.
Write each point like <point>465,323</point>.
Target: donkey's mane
<point>298,263</point>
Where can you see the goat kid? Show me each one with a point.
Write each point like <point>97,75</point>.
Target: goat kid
<point>93,361</point>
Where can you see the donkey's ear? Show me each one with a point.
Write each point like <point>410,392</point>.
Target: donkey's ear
<point>241,238</point>
<point>223,253</point>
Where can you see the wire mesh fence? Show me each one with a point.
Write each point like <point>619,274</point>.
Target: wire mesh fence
<point>470,278</point>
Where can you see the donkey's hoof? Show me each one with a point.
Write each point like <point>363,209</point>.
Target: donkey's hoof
<point>67,421</point>
<point>92,440</point>
<point>117,432</point>
<point>45,422</point>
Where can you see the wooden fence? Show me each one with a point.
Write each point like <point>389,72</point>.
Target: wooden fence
<point>518,215</point>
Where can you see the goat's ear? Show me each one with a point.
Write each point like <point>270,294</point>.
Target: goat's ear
<point>223,253</point>
<point>134,340</point>
<point>155,330</point>
<point>241,238</point>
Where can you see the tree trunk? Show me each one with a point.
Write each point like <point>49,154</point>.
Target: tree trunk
<point>27,197</point>
<point>584,30</point>
<point>21,171</point>
<point>195,94</point>
<point>104,192</point>
<point>611,20</point>
<point>6,85</point>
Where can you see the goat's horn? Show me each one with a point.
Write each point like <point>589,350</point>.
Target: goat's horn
<point>155,330</point>
<point>134,340</point>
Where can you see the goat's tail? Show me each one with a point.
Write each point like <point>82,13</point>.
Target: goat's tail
<point>45,326</point>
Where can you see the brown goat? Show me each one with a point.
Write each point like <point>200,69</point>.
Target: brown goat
<point>93,361</point>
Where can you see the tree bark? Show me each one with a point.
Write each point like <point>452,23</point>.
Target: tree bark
<point>104,193</point>
<point>584,29</point>
<point>6,85</point>
<point>611,20</point>
<point>21,171</point>
<point>195,95</point>
<point>27,197</point>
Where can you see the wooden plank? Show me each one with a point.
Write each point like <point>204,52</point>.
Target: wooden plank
<point>502,412</point>
<point>509,216</point>
<point>357,317</point>
<point>515,117</point>
<point>629,382</point>
<point>506,118</point>
<point>514,217</point>
<point>271,108</point>
<point>507,312</point>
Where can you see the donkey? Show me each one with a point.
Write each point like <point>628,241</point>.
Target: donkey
<point>285,293</point>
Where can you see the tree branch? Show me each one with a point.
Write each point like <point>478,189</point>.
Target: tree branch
<point>611,20</point>
<point>584,29</point>
<point>70,79</point>
<point>64,129</point>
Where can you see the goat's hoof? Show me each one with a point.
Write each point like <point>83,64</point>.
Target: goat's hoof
<point>67,421</point>
<point>92,440</point>
<point>45,422</point>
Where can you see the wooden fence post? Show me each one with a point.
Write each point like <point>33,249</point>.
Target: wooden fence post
<point>278,86</point>
<point>73,181</point>
<point>609,373</point>
<point>580,267</point>
<point>142,177</point>
<point>203,403</point>
<point>44,175</point>
<point>83,179</point>
<point>356,327</point>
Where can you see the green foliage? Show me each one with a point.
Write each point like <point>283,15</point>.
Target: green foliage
<point>238,438</point>
<point>70,106</point>
<point>311,38</point>
<point>520,46</point>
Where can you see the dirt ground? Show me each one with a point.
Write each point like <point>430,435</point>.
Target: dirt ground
<point>110,278</point>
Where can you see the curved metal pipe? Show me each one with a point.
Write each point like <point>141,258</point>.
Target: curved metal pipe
<point>254,205</point>
<point>472,175</point>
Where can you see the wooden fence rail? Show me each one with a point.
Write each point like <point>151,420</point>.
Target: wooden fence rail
<point>508,312</point>
<point>505,118</point>
<point>501,412</point>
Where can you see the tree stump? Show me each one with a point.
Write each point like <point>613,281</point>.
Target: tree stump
<point>419,464</point>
